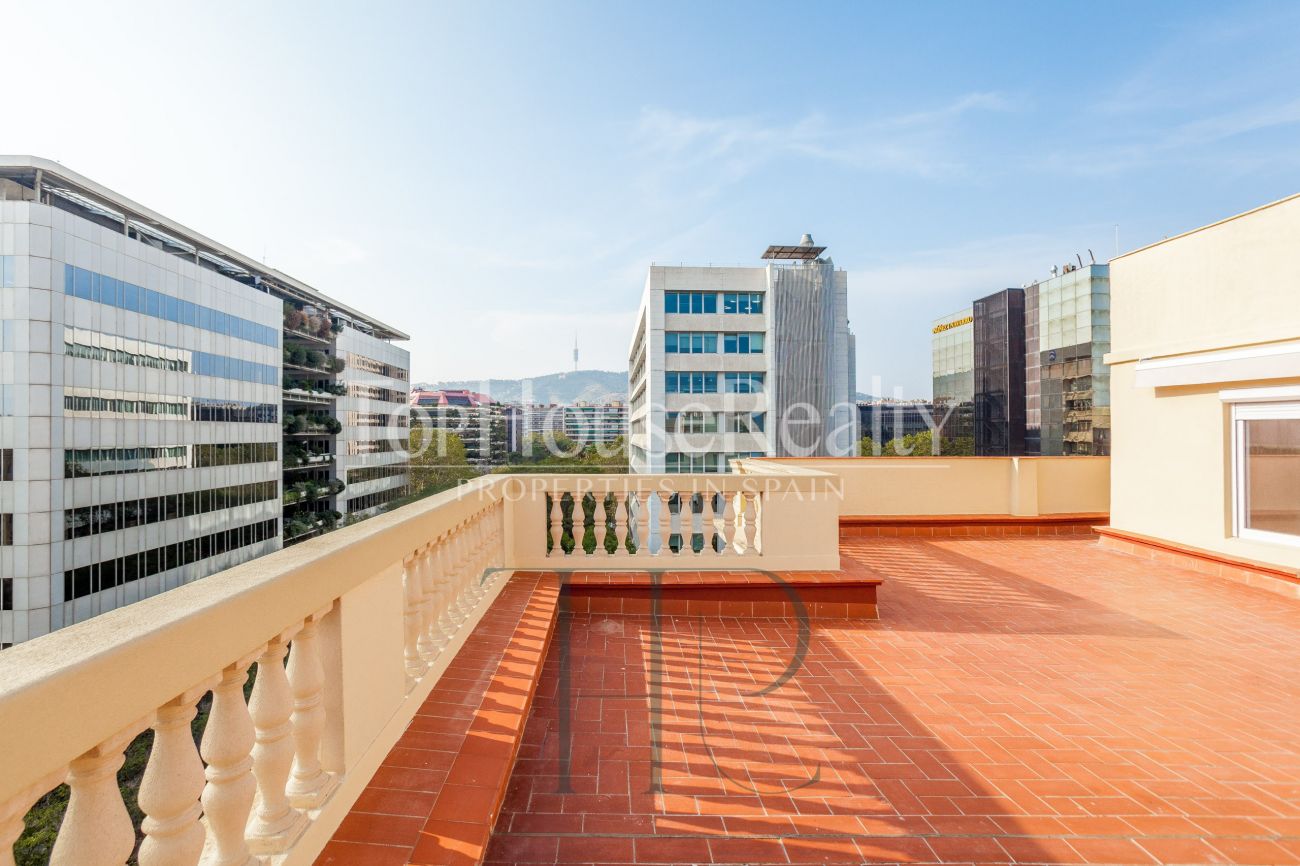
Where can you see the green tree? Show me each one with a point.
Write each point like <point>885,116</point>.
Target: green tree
<point>559,453</point>
<point>920,444</point>
<point>438,460</point>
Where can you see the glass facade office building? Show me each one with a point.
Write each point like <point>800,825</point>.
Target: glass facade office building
<point>147,398</point>
<point>999,344</point>
<point>1067,385</point>
<point>952,347</point>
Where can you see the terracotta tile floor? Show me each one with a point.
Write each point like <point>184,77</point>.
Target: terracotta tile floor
<point>1027,700</point>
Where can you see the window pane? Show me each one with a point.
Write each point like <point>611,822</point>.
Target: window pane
<point>1273,468</point>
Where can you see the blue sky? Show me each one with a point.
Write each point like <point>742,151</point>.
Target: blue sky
<point>494,178</point>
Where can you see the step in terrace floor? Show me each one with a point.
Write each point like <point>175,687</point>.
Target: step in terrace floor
<point>1019,700</point>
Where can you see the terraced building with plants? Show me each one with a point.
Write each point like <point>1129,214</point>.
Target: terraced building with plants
<point>169,407</point>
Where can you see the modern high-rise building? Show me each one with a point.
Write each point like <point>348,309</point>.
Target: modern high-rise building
<point>162,395</point>
<point>595,423</point>
<point>1067,385</point>
<point>731,362</point>
<point>1056,402</point>
<point>952,353</point>
<point>999,375</point>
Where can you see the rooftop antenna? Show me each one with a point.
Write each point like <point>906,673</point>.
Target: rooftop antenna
<point>1080,258</point>
<point>1091,256</point>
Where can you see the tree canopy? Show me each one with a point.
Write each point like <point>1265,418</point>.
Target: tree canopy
<point>921,444</point>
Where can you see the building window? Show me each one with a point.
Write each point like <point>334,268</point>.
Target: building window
<point>691,422</point>
<point>744,383</point>
<point>690,343</point>
<point>102,289</point>
<point>691,383</point>
<point>83,581</point>
<point>749,343</point>
<point>690,302</point>
<point>112,516</point>
<point>6,530</point>
<point>744,422</point>
<point>675,461</point>
<point>6,464</point>
<point>742,302</point>
<point>1266,471</point>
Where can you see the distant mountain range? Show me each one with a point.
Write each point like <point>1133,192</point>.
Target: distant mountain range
<point>592,386</point>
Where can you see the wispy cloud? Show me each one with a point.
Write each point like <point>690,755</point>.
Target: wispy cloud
<point>726,150</point>
<point>1184,104</point>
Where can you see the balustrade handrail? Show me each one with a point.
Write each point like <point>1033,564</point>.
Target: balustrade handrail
<point>81,685</point>
<point>366,618</point>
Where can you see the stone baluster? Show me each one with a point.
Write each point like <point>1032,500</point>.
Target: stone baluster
<point>643,524</point>
<point>473,585</point>
<point>600,524</point>
<point>226,746</point>
<point>756,543</point>
<point>96,829</point>
<point>738,523</point>
<point>172,786</point>
<point>718,505</point>
<point>666,522</point>
<point>415,666</point>
<point>446,622</point>
<point>622,526</point>
<point>15,810</point>
<point>694,506</point>
<point>750,518</point>
<point>274,824</point>
<point>426,643</point>
<point>459,568</point>
<point>309,784</point>
<point>555,524</point>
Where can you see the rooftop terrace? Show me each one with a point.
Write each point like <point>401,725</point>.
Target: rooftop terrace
<point>886,661</point>
<point>1020,699</point>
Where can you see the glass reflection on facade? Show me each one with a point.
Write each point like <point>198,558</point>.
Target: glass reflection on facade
<point>999,341</point>
<point>952,345</point>
<point>1067,385</point>
<point>1272,458</point>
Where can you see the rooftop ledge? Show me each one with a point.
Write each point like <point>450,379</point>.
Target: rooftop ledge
<point>422,649</point>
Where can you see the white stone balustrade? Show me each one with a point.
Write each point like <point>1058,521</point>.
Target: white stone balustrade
<point>367,618</point>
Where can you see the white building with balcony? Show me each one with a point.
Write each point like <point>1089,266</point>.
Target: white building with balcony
<point>730,362</point>
<point>159,418</point>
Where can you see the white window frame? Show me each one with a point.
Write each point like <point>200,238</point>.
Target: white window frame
<point>1241,413</point>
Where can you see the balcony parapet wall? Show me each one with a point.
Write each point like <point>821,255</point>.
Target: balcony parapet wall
<point>367,618</point>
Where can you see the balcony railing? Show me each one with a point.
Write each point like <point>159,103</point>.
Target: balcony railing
<point>367,618</point>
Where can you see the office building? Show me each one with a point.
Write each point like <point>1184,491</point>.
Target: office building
<point>478,421</point>
<point>149,412</point>
<point>596,423</point>
<point>1057,402</point>
<point>887,420</point>
<point>742,361</point>
<point>952,352</point>
<point>1067,386</point>
<point>998,332</point>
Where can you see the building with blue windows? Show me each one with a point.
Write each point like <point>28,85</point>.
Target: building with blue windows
<point>170,407</point>
<point>730,362</point>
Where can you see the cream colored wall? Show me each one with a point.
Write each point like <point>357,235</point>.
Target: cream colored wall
<point>1232,284</point>
<point>1022,486</point>
<point>1171,467</point>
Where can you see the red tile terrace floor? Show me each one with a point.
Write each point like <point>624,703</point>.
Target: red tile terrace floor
<point>1027,700</point>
